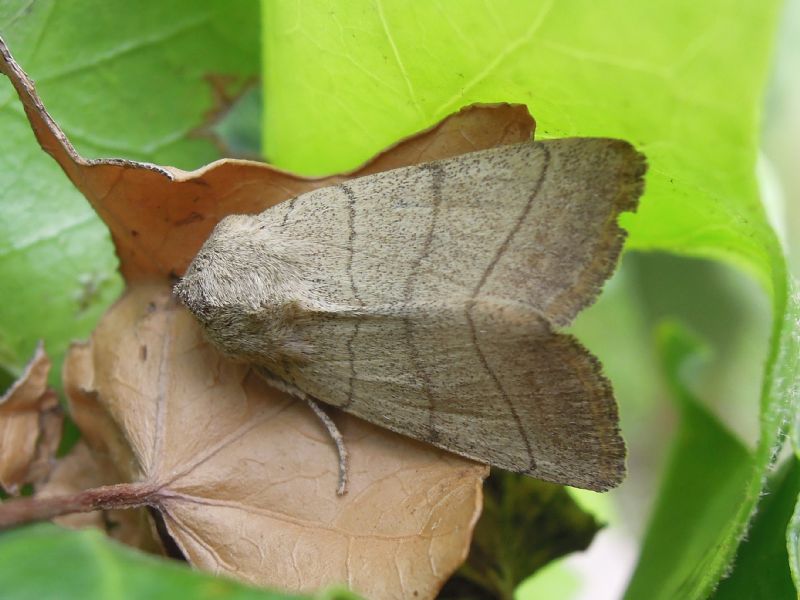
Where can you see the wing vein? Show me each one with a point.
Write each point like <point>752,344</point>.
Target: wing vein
<point>472,302</point>
<point>436,178</point>
<point>351,200</point>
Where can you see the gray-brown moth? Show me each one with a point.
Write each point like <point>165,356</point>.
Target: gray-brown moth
<point>425,300</point>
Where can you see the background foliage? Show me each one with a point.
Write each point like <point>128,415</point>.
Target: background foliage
<point>682,80</point>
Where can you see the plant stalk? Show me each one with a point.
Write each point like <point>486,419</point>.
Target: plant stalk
<point>19,511</point>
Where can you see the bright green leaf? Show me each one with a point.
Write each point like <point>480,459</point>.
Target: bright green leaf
<point>793,545</point>
<point>699,494</point>
<point>45,561</point>
<point>702,511</point>
<point>122,79</point>
<point>762,569</point>
<point>793,531</point>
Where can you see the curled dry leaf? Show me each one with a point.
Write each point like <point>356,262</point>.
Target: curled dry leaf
<point>245,477</point>
<point>30,426</point>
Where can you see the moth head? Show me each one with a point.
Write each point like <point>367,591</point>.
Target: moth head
<point>213,278</point>
<point>243,277</point>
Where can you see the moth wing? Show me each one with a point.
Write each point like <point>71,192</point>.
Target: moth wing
<point>512,394</point>
<point>532,223</point>
<point>437,286</point>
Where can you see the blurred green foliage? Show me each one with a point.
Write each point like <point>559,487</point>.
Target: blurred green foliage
<point>45,561</point>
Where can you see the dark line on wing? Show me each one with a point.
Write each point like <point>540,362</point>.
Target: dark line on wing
<point>471,303</point>
<point>351,208</point>
<point>520,220</point>
<point>437,176</point>
<point>351,224</point>
<point>288,211</point>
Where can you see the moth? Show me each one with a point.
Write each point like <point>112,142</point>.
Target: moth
<point>427,300</point>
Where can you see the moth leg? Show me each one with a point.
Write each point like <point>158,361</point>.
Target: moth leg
<point>327,422</point>
<point>336,435</point>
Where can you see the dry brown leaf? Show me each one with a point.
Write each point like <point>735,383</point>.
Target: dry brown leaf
<point>245,477</point>
<point>30,426</point>
<point>82,469</point>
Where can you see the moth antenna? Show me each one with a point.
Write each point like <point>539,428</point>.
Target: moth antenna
<point>327,422</point>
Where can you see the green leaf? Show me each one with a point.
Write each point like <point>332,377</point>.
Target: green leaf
<point>793,544</point>
<point>683,80</point>
<point>676,78</point>
<point>793,380</point>
<point>699,493</point>
<point>710,464</point>
<point>6,379</point>
<point>122,79</point>
<point>761,569</point>
<point>237,131</point>
<point>45,561</point>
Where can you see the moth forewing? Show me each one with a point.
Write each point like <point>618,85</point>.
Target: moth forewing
<point>424,300</point>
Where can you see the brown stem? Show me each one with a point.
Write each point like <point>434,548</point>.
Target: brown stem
<point>19,511</point>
